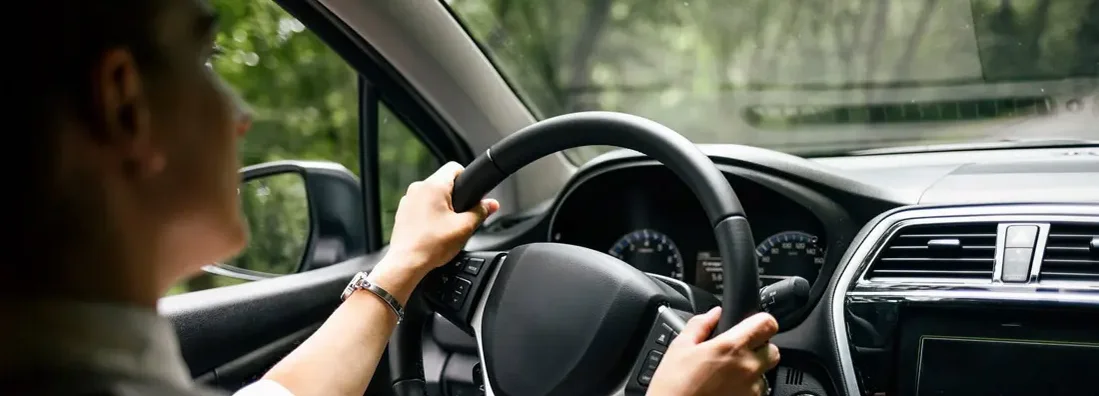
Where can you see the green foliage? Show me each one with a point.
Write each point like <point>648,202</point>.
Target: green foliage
<point>306,106</point>
<point>304,95</point>
<point>276,209</point>
<point>403,160</point>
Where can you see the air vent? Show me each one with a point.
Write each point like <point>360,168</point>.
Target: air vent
<point>794,377</point>
<point>939,251</point>
<point>1072,253</point>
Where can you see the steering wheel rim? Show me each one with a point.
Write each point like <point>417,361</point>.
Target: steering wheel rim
<point>723,209</point>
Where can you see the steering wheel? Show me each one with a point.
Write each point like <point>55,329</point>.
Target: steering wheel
<point>556,319</point>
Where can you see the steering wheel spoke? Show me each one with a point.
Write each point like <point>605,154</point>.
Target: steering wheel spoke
<point>454,290</point>
<point>665,327</point>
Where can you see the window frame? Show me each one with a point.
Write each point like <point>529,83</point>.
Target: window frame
<point>378,83</point>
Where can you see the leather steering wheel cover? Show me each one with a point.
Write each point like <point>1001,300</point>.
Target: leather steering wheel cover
<point>723,209</point>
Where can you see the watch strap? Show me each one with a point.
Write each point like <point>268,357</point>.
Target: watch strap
<point>359,282</point>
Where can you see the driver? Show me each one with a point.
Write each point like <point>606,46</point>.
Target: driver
<point>127,185</point>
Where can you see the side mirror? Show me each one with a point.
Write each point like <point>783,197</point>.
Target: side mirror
<point>301,215</point>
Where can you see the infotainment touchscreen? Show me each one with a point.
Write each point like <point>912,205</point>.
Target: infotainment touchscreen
<point>998,354</point>
<point>976,366</point>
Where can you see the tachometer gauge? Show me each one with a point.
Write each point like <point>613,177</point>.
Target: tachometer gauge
<point>649,251</point>
<point>789,253</point>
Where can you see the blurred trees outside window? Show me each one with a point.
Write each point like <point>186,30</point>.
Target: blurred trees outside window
<point>305,101</point>
<point>276,212</point>
<point>702,66</point>
<point>402,159</point>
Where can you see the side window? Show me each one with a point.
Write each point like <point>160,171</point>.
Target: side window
<point>305,104</point>
<point>402,159</point>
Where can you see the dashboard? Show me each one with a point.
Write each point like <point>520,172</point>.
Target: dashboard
<point>644,215</point>
<point>920,282</point>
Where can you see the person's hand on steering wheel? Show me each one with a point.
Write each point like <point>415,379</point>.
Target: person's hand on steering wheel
<point>427,232</point>
<point>732,363</point>
<point>426,228</point>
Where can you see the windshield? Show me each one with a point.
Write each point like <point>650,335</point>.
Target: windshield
<point>814,77</point>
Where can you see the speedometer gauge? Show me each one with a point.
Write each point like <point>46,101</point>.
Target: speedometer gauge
<point>789,253</point>
<point>649,251</point>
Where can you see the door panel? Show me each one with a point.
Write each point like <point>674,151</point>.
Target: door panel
<point>238,332</point>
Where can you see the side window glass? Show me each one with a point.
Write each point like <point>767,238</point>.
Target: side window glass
<point>305,104</point>
<point>402,159</point>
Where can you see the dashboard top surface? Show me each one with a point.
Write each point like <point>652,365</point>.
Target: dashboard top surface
<point>982,176</point>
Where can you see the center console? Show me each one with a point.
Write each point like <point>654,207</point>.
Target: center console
<point>984,300</point>
<point>996,352</point>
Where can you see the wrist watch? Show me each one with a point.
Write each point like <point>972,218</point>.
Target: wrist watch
<point>359,282</point>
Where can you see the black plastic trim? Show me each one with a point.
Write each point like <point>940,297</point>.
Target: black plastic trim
<point>247,369</point>
<point>452,338</point>
<point>368,164</point>
<point>336,202</point>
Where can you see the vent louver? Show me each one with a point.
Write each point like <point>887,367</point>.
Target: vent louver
<point>1072,253</point>
<point>946,251</point>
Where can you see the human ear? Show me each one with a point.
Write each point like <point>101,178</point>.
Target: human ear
<point>122,116</point>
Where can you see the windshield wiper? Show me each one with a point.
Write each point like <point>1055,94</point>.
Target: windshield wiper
<point>980,145</point>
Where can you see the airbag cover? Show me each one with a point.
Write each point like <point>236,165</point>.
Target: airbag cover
<point>560,321</point>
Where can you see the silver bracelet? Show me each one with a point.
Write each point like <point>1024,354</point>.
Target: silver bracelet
<point>359,282</point>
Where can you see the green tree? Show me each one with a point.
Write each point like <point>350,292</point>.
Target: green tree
<point>276,211</point>
<point>305,102</point>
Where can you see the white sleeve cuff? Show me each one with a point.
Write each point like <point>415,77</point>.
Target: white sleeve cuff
<point>264,387</point>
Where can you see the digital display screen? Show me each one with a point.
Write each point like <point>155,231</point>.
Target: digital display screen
<point>979,366</point>
<point>708,272</point>
<point>996,351</point>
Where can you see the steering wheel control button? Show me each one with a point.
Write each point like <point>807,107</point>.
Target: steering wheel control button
<point>457,291</point>
<point>473,265</point>
<point>454,301</point>
<point>664,334</point>
<point>653,359</point>
<point>645,377</point>
<point>460,285</point>
<point>1021,236</point>
<point>1017,264</point>
<point>460,264</point>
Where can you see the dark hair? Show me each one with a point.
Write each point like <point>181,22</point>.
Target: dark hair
<point>70,36</point>
<point>53,57</point>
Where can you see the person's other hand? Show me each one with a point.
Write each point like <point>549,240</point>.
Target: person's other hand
<point>427,232</point>
<point>730,364</point>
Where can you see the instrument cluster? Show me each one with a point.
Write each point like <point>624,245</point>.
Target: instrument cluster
<point>647,217</point>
